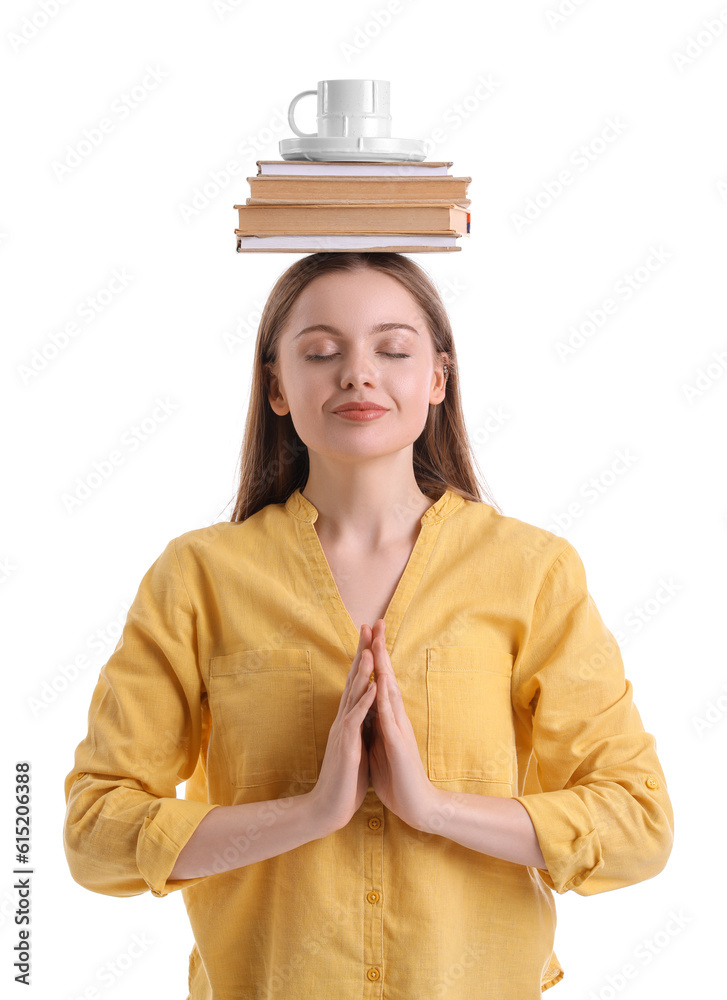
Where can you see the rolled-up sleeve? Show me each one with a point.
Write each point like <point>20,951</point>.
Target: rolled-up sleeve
<point>602,816</point>
<point>124,826</point>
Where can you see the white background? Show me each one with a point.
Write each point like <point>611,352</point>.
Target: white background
<point>183,329</point>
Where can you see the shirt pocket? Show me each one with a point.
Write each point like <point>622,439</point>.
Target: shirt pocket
<point>261,703</point>
<point>471,732</point>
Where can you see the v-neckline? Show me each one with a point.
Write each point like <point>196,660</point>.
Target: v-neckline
<point>306,514</point>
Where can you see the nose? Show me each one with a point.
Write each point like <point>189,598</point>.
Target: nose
<point>360,369</point>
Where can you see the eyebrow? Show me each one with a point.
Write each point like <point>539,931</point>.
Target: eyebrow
<point>379,328</point>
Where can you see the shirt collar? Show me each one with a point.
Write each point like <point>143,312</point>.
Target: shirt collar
<point>301,508</point>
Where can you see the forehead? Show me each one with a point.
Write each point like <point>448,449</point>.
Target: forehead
<point>366,296</point>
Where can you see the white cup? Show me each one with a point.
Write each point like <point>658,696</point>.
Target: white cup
<point>349,108</point>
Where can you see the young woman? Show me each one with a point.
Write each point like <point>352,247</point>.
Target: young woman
<point>401,720</point>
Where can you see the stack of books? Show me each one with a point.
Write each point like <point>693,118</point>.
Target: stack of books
<point>303,206</point>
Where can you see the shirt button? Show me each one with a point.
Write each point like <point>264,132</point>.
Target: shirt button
<point>374,822</point>
<point>373,897</point>
<point>652,783</point>
<point>372,974</point>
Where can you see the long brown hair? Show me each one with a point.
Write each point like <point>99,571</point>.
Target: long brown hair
<point>274,460</point>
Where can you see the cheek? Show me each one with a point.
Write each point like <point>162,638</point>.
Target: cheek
<point>308,386</point>
<point>410,384</point>
<point>415,391</point>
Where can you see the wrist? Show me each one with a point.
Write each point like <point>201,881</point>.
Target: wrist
<point>435,811</point>
<point>318,821</point>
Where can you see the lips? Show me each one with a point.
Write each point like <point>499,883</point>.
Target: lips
<point>357,406</point>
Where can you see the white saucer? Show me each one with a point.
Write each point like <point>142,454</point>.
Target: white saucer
<point>353,148</point>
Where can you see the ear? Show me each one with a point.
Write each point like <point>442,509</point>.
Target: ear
<point>439,387</point>
<point>276,397</point>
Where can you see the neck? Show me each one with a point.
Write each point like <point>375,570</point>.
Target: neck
<point>366,516</point>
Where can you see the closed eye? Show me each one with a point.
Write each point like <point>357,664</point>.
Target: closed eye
<point>325,357</point>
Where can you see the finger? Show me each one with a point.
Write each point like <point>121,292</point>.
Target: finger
<point>360,678</point>
<point>395,701</point>
<point>380,706</point>
<point>368,695</point>
<point>387,668</point>
<point>378,722</point>
<point>366,636</point>
<point>356,661</point>
<point>368,669</point>
<point>390,723</point>
<point>382,660</point>
<point>349,680</point>
<point>385,664</point>
<point>345,701</point>
<point>370,637</point>
<point>357,713</point>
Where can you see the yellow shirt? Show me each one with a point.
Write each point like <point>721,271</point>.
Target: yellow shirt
<point>229,674</point>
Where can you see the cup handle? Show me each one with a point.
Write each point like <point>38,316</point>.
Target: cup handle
<point>291,113</point>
